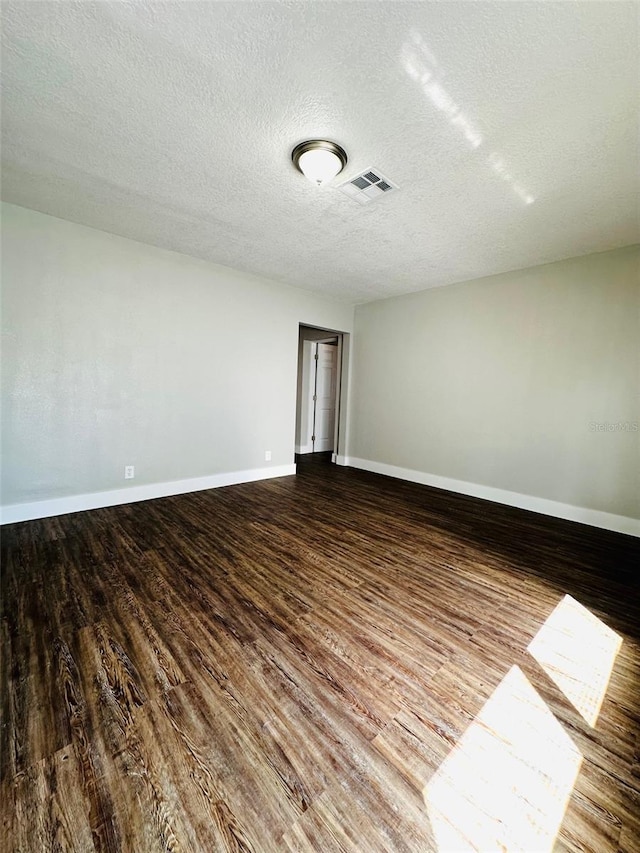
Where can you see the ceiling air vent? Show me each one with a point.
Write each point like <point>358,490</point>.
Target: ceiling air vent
<point>367,186</point>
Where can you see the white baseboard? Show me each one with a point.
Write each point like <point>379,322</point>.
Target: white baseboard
<point>583,515</point>
<point>304,448</point>
<point>96,500</point>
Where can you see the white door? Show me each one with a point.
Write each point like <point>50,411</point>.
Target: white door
<point>325,397</point>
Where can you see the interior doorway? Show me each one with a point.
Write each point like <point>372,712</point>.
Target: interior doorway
<point>320,354</point>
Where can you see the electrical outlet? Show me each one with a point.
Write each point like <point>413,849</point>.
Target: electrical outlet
<point>129,472</point>
<point>267,456</point>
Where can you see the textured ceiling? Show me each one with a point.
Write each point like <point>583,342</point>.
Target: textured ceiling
<point>510,128</point>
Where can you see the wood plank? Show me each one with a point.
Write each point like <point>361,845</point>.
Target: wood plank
<point>286,665</point>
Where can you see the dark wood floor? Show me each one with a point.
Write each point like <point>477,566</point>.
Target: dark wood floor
<point>325,662</point>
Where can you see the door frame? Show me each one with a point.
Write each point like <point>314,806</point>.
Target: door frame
<point>330,335</point>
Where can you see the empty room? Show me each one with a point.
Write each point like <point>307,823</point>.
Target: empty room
<point>320,473</point>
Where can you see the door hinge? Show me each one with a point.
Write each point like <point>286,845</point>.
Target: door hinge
<point>313,438</point>
<point>316,356</point>
<point>315,398</point>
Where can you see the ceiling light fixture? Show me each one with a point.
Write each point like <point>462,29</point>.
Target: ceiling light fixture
<point>319,160</point>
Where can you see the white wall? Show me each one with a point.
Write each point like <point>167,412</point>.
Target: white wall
<point>498,382</point>
<point>304,410</point>
<point>119,353</point>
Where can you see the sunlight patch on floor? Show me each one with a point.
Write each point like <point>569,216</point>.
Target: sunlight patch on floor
<point>577,651</point>
<point>506,783</point>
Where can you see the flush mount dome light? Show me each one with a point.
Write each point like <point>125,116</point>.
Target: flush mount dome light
<point>319,160</point>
